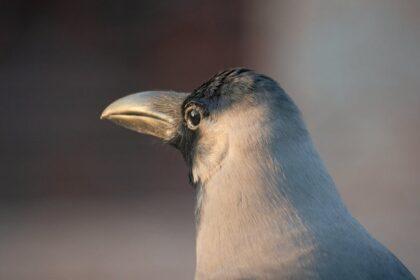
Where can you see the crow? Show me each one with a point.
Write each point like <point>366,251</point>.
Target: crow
<point>266,207</point>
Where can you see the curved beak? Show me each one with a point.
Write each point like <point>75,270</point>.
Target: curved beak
<point>156,113</point>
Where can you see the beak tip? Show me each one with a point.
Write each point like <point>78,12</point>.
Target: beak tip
<point>103,116</point>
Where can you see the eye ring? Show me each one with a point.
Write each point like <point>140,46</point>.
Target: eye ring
<point>193,116</point>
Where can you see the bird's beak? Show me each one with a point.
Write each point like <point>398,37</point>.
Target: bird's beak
<point>156,113</point>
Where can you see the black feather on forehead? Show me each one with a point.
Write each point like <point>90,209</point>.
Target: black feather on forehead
<point>211,88</point>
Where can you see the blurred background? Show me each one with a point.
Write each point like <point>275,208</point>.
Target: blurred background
<point>83,199</point>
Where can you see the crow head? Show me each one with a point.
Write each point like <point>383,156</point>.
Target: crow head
<point>236,108</point>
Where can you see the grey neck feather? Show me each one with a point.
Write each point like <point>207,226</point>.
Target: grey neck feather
<point>263,196</point>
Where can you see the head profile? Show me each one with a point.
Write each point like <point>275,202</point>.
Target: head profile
<point>228,107</point>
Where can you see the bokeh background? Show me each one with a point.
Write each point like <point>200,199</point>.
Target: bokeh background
<point>84,199</point>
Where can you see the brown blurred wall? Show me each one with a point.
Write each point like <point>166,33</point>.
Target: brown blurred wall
<point>81,198</point>
<point>63,61</point>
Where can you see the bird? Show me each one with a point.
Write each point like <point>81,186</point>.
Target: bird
<point>266,206</point>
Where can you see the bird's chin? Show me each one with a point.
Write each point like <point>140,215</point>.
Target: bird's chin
<point>145,124</point>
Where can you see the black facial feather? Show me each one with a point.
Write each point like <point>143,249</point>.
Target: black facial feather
<point>211,88</point>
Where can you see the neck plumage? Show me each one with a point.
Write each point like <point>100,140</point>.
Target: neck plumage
<point>264,201</point>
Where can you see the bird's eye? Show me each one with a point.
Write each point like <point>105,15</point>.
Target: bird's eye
<point>193,117</point>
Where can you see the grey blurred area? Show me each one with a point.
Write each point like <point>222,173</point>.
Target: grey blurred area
<point>83,199</point>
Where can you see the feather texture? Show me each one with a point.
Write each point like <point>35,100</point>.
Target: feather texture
<point>267,207</point>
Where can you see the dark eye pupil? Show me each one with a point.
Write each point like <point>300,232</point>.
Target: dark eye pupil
<point>195,117</point>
